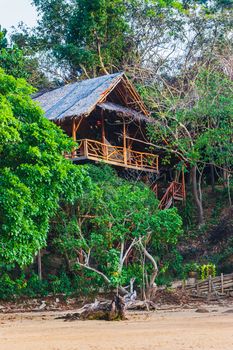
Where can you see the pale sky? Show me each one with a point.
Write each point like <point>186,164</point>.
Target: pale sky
<point>14,11</point>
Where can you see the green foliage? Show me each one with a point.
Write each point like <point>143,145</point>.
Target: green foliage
<point>84,33</point>
<point>213,111</point>
<point>32,286</point>
<point>207,270</point>
<point>91,37</point>
<point>204,130</point>
<point>12,59</point>
<point>19,62</point>
<point>190,267</point>
<point>111,215</point>
<point>33,172</point>
<point>203,270</point>
<point>223,258</point>
<point>7,287</point>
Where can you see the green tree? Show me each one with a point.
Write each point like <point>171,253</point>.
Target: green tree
<point>197,125</point>
<point>113,228</point>
<point>92,37</point>
<point>20,62</point>
<point>33,172</point>
<point>12,59</point>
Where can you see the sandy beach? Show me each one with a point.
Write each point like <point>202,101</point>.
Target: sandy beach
<point>163,330</point>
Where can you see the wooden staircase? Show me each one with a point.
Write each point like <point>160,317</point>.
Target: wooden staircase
<point>175,192</point>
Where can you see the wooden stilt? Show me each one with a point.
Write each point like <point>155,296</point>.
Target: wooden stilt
<point>103,135</point>
<point>124,142</point>
<point>73,135</point>
<point>74,129</point>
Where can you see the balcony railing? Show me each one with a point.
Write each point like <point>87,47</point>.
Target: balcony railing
<point>116,155</point>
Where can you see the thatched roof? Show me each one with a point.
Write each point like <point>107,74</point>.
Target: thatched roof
<point>125,112</point>
<point>80,98</point>
<point>76,99</point>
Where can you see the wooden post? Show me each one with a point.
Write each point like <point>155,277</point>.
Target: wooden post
<point>124,142</point>
<point>85,148</point>
<point>74,130</point>
<point>73,135</point>
<point>103,136</point>
<point>210,284</point>
<point>39,265</point>
<point>222,283</point>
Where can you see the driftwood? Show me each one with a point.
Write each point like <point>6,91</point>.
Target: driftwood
<point>141,305</point>
<point>108,310</point>
<point>100,310</point>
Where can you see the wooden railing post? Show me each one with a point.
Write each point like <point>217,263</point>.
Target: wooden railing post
<point>85,148</point>
<point>210,284</point>
<point>106,152</point>
<point>222,283</point>
<point>73,136</point>
<point>124,143</point>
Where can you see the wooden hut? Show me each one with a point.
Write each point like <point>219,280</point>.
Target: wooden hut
<point>106,117</point>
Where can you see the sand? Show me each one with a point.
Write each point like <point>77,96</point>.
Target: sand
<point>163,330</point>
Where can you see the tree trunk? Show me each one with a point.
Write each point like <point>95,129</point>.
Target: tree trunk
<point>39,265</point>
<point>151,290</point>
<point>212,177</point>
<point>229,190</point>
<point>151,287</point>
<point>196,197</point>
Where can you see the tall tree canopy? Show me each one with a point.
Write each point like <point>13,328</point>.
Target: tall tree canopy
<point>90,36</point>
<point>33,172</point>
<point>197,124</point>
<point>12,59</point>
<point>93,37</point>
<point>20,62</point>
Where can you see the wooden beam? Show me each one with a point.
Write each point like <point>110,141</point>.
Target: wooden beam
<point>129,86</point>
<point>78,124</point>
<point>124,142</point>
<point>135,167</point>
<point>74,130</point>
<point>103,135</point>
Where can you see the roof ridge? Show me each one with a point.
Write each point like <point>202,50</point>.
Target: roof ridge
<point>41,92</point>
<point>88,94</point>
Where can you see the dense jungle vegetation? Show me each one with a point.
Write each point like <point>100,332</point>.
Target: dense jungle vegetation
<point>94,229</point>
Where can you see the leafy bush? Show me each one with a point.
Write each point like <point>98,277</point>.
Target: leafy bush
<point>8,287</point>
<point>207,270</point>
<point>36,287</point>
<point>32,287</point>
<point>60,284</point>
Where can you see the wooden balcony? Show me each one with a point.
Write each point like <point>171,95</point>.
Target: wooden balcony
<point>115,155</point>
